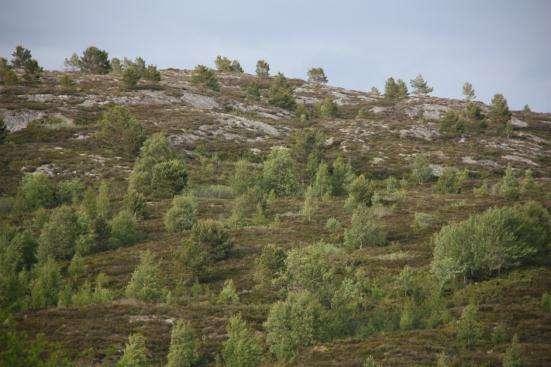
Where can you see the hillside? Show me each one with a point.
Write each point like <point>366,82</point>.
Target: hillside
<point>394,315</point>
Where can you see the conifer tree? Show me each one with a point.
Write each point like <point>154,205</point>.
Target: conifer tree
<point>420,86</point>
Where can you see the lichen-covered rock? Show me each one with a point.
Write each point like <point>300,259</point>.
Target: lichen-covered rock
<point>18,120</point>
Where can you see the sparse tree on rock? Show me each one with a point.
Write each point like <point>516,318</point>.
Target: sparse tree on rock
<point>93,61</point>
<point>20,57</point>
<point>262,69</point>
<point>420,86</point>
<point>395,90</point>
<point>468,92</point>
<point>317,75</point>
<point>499,110</point>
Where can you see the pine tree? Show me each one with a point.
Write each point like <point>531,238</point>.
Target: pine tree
<point>21,57</point>
<point>145,284</point>
<point>468,92</point>
<point>183,351</point>
<point>242,349</point>
<point>420,86</point>
<point>135,353</point>
<point>262,69</point>
<point>317,75</point>
<point>499,110</point>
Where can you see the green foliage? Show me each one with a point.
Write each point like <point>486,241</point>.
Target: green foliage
<point>190,261</point>
<point>281,93</point>
<point>158,172</point>
<point>364,230</point>
<point>421,171</point>
<point>369,361</point>
<point>70,191</point>
<point>93,61</point>
<point>499,112</point>
<point>243,177</point>
<point>269,265</point>
<point>473,112</point>
<point>3,130</point>
<point>135,352</point>
<point>242,348</point>
<point>151,73</point>
<point>292,324</point>
<point>252,91</point>
<point>513,354</point>
<point>528,186</point>
<point>182,214</point>
<point>206,77</point>
<point>46,284</point>
<point>302,112</point>
<point>420,86</point>
<point>317,75</point>
<point>497,239</point>
<point>134,202</point>
<point>546,302</point>
<point>103,201</point>
<point>262,69</point>
<point>228,294</point>
<point>508,187</point>
<point>327,108</point>
<point>468,91</point>
<point>124,229</point>
<point>58,236</point>
<point>451,180</point>
<point>333,225</point>
<point>145,283</point>
<point>341,176</point>
<point>452,124</point>
<point>20,57</point>
<point>37,191</point>
<point>225,64</point>
<point>130,78</point>
<point>307,146</point>
<point>423,221</point>
<point>310,205</point>
<point>278,173</point>
<point>395,90</point>
<point>360,192</point>
<point>213,237</point>
<point>32,71</point>
<point>87,295</point>
<point>121,131</point>
<point>184,346</point>
<point>469,328</point>
<point>313,268</point>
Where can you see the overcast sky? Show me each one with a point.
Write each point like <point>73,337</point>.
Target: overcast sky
<point>499,46</point>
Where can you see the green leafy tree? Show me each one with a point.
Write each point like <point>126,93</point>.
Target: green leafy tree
<point>293,324</point>
<point>360,192</point>
<point>269,265</point>
<point>182,214</point>
<point>322,185</point>
<point>206,77</point>
<point>499,110</point>
<point>469,328</point>
<point>278,173</point>
<point>364,230</point>
<point>262,69</point>
<point>395,90</point>
<point>223,63</point>
<point>243,177</point>
<point>94,61</point>
<point>420,86</point>
<point>341,176</point>
<point>135,352</point>
<point>242,348</point>
<point>120,130</point>
<point>123,229</point>
<point>151,73</point>
<point>191,261</point>
<point>508,186</point>
<point>7,74</point>
<point>72,62</point>
<point>281,94</point>
<point>59,235</point>
<point>184,346</point>
<point>20,57</point>
<point>37,191</point>
<point>32,71</point>
<point>468,92</point>
<point>135,203</point>
<point>317,75</point>
<point>130,78</point>
<point>145,283</point>
<point>452,124</point>
<point>66,82</point>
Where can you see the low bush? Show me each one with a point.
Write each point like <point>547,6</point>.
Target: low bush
<point>135,353</point>
<point>206,77</point>
<point>213,237</point>
<point>70,191</point>
<point>364,230</point>
<point>508,187</point>
<point>487,243</point>
<point>182,214</point>
<point>281,93</point>
<point>451,180</point>
<point>124,229</point>
<point>423,221</point>
<point>228,294</point>
<point>421,171</point>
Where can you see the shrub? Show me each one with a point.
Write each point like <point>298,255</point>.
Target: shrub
<point>360,192</point>
<point>135,353</point>
<point>278,173</point>
<point>423,221</point>
<point>145,284</point>
<point>32,71</point>
<point>317,75</point>
<point>369,361</point>
<point>546,302</point>
<point>121,131</point>
<point>224,64</point>
<point>88,296</point>
<point>364,230</point>
<point>130,78</point>
<point>420,86</point>
<point>242,348</point>
<point>292,324</point>
<point>46,284</point>
<point>341,176</point>
<point>342,319</point>
<point>452,124</point>
<point>20,57</point>
<point>327,108</point>
<point>281,93</point>
<point>333,225</point>
<point>499,110</point>
<point>307,146</point>
<point>269,265</point>
<point>93,61</point>
<point>408,318</point>
<point>190,261</point>
<point>395,90</point>
<point>313,268</point>
<point>134,202</point>
<point>206,77</point>
<point>513,354</point>
<point>228,294</point>
<point>451,180</point>
<point>469,329</point>
<point>497,239</point>
<point>158,172</point>
<point>508,187</point>
<point>252,91</point>
<point>123,228</point>
<point>58,236</point>
<point>214,238</point>
<point>37,191</point>
<point>151,73</point>
<point>242,178</point>
<point>184,346</point>
<point>421,171</point>
<point>473,112</point>
<point>182,214</point>
<point>103,201</point>
<point>528,185</point>
<point>70,191</point>
<point>262,69</point>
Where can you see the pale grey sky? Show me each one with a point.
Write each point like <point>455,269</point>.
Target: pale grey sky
<point>498,45</point>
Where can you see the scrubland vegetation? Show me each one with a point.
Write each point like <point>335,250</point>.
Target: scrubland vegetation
<point>298,253</point>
